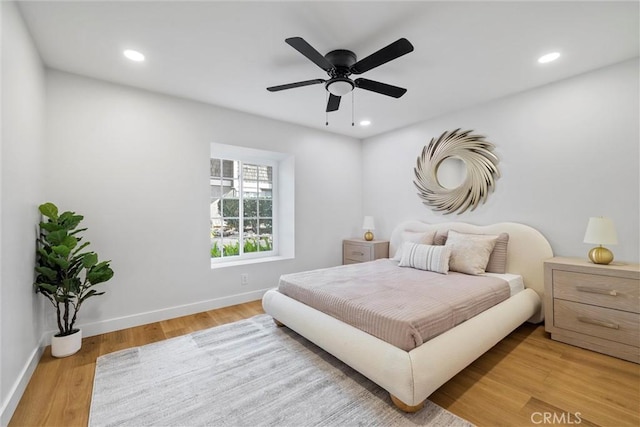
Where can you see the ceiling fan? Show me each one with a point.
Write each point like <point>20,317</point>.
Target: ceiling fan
<point>340,64</point>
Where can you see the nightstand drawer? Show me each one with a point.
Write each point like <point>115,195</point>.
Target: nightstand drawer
<point>359,250</point>
<point>359,253</point>
<point>614,325</point>
<point>613,292</point>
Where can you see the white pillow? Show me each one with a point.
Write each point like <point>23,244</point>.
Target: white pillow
<point>470,252</point>
<point>422,237</point>
<point>425,257</point>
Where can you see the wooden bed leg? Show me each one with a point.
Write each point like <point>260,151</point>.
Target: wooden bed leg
<point>278,323</point>
<point>404,407</point>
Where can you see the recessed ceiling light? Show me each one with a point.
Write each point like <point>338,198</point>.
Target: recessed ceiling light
<point>365,122</point>
<point>134,55</point>
<point>549,57</point>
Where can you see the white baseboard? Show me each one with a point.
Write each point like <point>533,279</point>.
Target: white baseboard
<point>17,390</point>
<point>110,325</point>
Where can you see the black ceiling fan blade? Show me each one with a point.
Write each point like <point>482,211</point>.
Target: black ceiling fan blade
<point>293,85</point>
<point>333,103</point>
<point>299,44</point>
<point>394,50</point>
<point>383,88</point>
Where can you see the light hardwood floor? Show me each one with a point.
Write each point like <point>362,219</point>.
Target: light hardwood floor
<point>526,379</point>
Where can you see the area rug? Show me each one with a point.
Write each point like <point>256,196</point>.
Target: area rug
<point>247,373</point>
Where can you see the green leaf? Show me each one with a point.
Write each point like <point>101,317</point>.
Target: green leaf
<point>50,226</point>
<point>71,285</point>
<point>49,210</point>
<point>89,260</point>
<point>62,250</point>
<point>46,288</point>
<point>47,272</point>
<point>61,262</point>
<point>70,241</point>
<point>91,293</point>
<point>79,230</point>
<point>56,237</point>
<point>70,220</point>
<point>81,247</point>
<point>99,273</point>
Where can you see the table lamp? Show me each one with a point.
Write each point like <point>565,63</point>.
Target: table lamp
<point>368,224</point>
<point>600,231</point>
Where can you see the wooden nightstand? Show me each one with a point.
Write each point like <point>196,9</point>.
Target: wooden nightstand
<point>593,306</point>
<point>360,250</point>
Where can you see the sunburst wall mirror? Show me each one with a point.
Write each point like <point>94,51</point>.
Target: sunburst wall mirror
<point>456,171</point>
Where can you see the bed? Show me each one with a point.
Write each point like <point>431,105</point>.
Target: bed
<point>411,376</point>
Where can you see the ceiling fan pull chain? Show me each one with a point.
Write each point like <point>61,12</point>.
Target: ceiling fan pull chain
<point>352,108</point>
<point>326,113</point>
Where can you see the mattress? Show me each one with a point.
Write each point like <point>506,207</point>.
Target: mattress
<point>402,306</point>
<point>515,281</point>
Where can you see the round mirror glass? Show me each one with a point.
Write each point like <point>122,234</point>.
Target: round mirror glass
<point>451,172</point>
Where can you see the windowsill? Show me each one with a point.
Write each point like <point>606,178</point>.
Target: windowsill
<point>217,265</point>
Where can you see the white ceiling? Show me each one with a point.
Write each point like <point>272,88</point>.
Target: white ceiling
<point>227,53</point>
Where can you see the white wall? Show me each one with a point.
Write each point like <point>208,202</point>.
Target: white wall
<point>21,164</point>
<point>568,151</point>
<point>136,165</point>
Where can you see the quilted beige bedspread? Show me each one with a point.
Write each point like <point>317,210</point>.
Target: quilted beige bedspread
<point>402,306</point>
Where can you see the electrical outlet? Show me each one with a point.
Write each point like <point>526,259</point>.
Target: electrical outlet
<point>244,279</point>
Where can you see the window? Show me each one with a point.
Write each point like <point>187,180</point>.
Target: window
<point>252,205</point>
<point>242,208</point>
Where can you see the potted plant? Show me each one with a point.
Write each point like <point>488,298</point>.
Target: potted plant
<point>65,274</point>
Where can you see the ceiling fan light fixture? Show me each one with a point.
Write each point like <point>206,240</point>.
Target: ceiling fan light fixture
<point>340,86</point>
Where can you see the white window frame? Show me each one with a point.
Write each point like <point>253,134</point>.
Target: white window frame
<point>282,165</point>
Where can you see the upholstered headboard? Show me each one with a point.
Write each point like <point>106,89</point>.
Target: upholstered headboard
<point>526,251</point>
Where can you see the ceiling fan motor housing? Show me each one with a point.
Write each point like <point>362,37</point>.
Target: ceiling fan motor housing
<point>342,60</point>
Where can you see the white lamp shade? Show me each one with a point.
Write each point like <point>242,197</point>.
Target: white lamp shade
<point>368,223</point>
<point>340,87</point>
<point>601,231</point>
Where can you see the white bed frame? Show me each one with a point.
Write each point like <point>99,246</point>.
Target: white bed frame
<point>411,376</point>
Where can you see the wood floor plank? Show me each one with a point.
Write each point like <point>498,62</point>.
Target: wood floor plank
<point>525,375</point>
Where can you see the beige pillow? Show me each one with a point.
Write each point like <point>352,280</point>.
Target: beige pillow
<point>421,237</point>
<point>470,252</point>
<point>498,259</point>
<point>425,257</point>
<point>440,238</point>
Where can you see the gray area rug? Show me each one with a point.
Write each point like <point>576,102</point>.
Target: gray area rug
<point>247,373</point>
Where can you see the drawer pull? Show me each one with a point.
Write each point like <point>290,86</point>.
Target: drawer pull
<point>357,253</point>
<point>591,290</point>
<point>598,322</point>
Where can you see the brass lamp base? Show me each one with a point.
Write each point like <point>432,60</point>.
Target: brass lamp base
<point>600,255</point>
<point>368,236</point>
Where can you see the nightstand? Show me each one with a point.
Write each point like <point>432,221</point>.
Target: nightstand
<point>593,306</point>
<point>360,250</point>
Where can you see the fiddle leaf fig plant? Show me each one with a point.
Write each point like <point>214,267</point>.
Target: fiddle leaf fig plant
<point>66,273</point>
